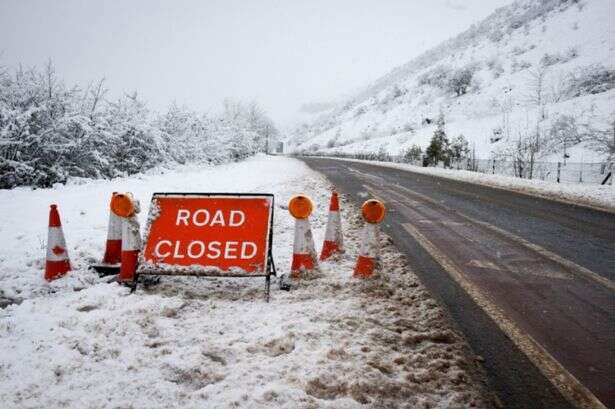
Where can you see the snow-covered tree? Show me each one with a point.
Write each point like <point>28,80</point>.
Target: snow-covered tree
<point>459,148</point>
<point>49,132</point>
<point>412,154</point>
<point>438,149</point>
<point>460,81</point>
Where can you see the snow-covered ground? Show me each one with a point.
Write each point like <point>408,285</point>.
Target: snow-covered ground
<point>602,196</point>
<point>331,341</point>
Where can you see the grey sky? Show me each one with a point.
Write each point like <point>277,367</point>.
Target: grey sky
<point>280,53</point>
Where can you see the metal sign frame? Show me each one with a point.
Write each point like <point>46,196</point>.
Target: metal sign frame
<point>269,268</point>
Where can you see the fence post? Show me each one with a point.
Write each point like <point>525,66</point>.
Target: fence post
<point>493,167</point>
<point>559,170</point>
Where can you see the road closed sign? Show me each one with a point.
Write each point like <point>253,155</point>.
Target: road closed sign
<point>208,234</point>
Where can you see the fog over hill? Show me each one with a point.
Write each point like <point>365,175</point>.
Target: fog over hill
<point>536,75</point>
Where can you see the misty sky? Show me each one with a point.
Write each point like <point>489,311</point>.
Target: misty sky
<point>281,53</point>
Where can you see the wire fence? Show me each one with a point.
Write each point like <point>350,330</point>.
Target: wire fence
<point>558,172</point>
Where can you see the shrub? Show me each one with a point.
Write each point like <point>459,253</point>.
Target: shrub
<point>412,154</point>
<point>460,81</point>
<point>594,79</point>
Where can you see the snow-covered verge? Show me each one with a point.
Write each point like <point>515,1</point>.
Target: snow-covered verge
<point>601,196</point>
<point>331,341</point>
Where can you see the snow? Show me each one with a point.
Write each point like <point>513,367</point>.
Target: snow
<point>378,117</point>
<point>332,341</point>
<point>601,196</point>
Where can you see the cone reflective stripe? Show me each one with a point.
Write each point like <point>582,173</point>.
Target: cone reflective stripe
<point>334,242</point>
<point>368,252</point>
<point>131,246</point>
<point>304,254</point>
<point>57,262</point>
<point>113,249</point>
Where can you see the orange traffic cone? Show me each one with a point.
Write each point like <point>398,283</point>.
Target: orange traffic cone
<point>125,206</point>
<point>304,253</point>
<point>131,247</point>
<point>113,250</point>
<point>373,213</point>
<point>334,241</point>
<point>57,263</point>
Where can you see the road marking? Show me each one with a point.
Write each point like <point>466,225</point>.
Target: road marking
<point>573,390</point>
<point>483,264</point>
<point>567,264</point>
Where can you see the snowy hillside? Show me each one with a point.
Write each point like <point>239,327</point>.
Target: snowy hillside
<point>534,69</point>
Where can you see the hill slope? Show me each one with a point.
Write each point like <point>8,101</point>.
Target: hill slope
<point>532,71</point>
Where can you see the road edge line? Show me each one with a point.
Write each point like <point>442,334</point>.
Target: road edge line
<point>569,386</point>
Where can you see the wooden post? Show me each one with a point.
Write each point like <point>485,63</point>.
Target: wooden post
<point>559,170</point>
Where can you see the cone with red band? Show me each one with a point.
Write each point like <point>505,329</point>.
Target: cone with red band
<point>334,241</point>
<point>373,212</point>
<point>304,253</point>
<point>125,206</point>
<point>57,263</point>
<point>131,247</point>
<point>113,249</point>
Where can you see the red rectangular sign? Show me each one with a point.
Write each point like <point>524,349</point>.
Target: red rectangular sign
<point>208,234</point>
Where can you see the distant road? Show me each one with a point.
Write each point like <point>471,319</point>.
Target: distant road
<point>529,281</point>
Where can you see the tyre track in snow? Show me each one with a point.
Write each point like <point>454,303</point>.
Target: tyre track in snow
<point>528,307</point>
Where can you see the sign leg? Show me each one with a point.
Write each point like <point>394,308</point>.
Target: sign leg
<point>272,269</point>
<point>133,287</point>
<point>267,286</point>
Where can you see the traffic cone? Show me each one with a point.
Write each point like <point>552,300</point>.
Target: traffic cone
<point>334,240</point>
<point>368,252</point>
<point>304,253</point>
<point>131,247</point>
<point>373,212</point>
<point>113,250</point>
<point>57,263</point>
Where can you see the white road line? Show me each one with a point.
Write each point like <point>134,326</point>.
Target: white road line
<point>569,386</point>
<point>567,264</point>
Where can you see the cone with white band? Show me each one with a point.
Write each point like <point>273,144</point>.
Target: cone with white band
<point>57,263</point>
<point>373,212</point>
<point>126,207</point>
<point>113,249</point>
<point>304,253</point>
<point>131,247</point>
<point>334,241</point>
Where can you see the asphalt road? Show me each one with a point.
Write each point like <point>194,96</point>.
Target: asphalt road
<point>529,281</point>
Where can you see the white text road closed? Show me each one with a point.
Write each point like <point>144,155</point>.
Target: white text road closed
<point>193,231</point>
<point>197,249</point>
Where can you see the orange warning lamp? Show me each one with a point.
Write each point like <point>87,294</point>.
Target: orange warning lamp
<point>123,204</point>
<point>300,206</point>
<point>373,211</point>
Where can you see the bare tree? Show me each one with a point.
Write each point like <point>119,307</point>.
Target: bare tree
<point>50,77</point>
<point>97,93</point>
<point>603,141</point>
<point>536,94</point>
